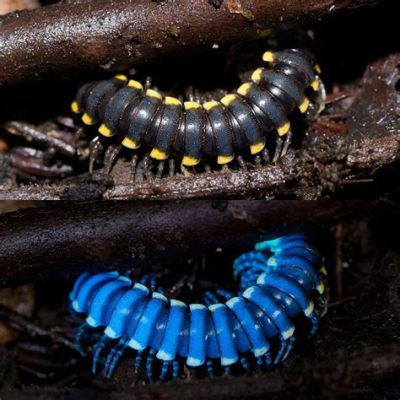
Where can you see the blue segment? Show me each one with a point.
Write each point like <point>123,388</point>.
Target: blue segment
<point>290,287</point>
<point>212,347</point>
<point>250,325</point>
<point>269,328</point>
<point>301,276</point>
<point>173,331</point>
<point>242,343</point>
<point>291,306</point>
<point>132,300</point>
<point>106,298</point>
<point>298,262</point>
<point>253,260</point>
<point>183,347</point>
<point>197,338</point>
<point>274,243</point>
<point>77,285</point>
<point>159,330</point>
<point>145,326</point>
<point>308,254</point>
<point>220,315</point>
<point>274,311</point>
<point>88,288</point>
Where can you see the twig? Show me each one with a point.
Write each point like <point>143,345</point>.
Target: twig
<point>24,324</point>
<point>114,35</point>
<point>74,237</point>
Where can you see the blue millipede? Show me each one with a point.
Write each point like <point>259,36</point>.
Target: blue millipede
<point>246,119</point>
<point>282,280</point>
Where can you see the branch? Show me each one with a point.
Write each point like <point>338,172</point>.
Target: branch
<point>23,324</point>
<point>369,364</point>
<point>72,37</point>
<point>74,237</point>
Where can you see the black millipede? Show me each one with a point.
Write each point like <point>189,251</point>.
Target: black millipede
<point>246,119</point>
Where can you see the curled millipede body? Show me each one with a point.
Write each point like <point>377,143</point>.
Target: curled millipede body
<point>244,120</point>
<point>281,281</point>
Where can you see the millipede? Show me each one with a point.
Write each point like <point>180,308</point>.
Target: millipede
<point>282,288</point>
<point>243,121</point>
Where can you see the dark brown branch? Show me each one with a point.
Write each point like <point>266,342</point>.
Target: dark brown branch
<point>24,324</point>
<point>71,238</point>
<point>114,35</point>
<point>272,180</point>
<point>350,370</point>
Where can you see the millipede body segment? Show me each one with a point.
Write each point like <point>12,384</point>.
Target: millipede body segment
<point>219,128</point>
<point>281,282</point>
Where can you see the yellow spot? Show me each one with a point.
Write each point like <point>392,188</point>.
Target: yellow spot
<point>303,107</point>
<point>256,148</point>
<point>190,161</point>
<point>105,131</point>
<point>210,104</point>
<point>323,270</point>
<point>172,101</point>
<point>309,309</point>
<point>121,77</point>
<point>317,68</point>
<point>315,84</point>
<point>135,84</point>
<point>87,119</point>
<point>153,93</point>
<point>284,129</point>
<point>321,288</point>
<point>130,144</point>
<point>289,333</point>
<point>224,159</point>
<point>268,56</point>
<point>244,89</point>
<point>75,107</point>
<point>257,74</point>
<point>228,99</point>
<point>158,154</point>
<point>191,105</point>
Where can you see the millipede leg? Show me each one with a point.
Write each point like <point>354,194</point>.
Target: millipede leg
<point>267,359</point>
<point>278,149</point>
<point>147,167</point>
<point>138,360</point>
<point>80,335</point>
<point>289,347</point>
<point>314,321</point>
<point>113,357</point>
<point>171,167</point>
<point>207,167</point>
<point>175,369</point>
<point>160,169</point>
<point>147,83</point>
<point>210,368</point>
<point>286,144</point>
<point>265,156</point>
<point>164,370</point>
<point>244,362</point>
<point>227,370</point>
<point>320,96</point>
<point>149,364</point>
<point>241,162</point>
<point>96,148</point>
<point>257,160</point>
<point>110,156</point>
<point>97,349</point>
<point>134,162</point>
<point>224,294</point>
<point>281,351</point>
